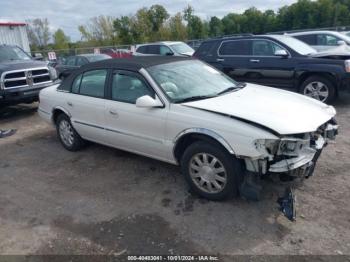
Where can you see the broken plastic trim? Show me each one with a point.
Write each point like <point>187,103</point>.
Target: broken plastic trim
<point>287,204</point>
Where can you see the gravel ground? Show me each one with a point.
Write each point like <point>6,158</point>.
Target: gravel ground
<point>106,201</point>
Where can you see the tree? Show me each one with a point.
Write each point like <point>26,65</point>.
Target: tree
<point>38,33</point>
<point>215,27</point>
<point>177,28</point>
<point>157,16</point>
<point>99,31</point>
<point>61,41</point>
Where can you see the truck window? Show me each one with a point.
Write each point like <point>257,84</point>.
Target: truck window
<point>235,48</point>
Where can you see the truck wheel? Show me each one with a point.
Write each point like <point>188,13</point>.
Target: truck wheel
<point>210,171</point>
<point>69,138</point>
<point>320,88</point>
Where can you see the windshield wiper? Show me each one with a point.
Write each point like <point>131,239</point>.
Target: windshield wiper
<point>232,88</point>
<point>193,98</point>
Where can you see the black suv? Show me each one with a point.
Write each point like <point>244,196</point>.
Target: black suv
<point>279,61</point>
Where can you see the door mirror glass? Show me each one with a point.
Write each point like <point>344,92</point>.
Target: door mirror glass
<point>148,102</point>
<point>281,53</point>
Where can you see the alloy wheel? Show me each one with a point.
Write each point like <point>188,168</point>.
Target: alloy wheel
<point>317,90</point>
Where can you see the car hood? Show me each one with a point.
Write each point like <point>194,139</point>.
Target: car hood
<point>20,64</point>
<point>342,51</point>
<point>281,111</point>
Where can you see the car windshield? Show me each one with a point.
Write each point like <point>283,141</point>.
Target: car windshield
<point>182,48</point>
<point>10,53</point>
<point>295,44</point>
<point>191,80</point>
<point>99,57</point>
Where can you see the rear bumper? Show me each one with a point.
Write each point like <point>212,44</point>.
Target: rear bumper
<point>20,95</point>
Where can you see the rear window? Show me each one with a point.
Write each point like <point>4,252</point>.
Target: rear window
<point>142,50</point>
<point>205,48</point>
<point>309,39</point>
<point>235,47</point>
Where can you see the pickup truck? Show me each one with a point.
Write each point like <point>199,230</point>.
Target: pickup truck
<point>22,77</point>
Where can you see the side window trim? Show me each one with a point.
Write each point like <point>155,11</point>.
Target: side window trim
<point>219,55</point>
<point>128,73</point>
<point>81,75</point>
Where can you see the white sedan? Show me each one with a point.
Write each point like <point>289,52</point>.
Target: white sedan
<point>225,135</point>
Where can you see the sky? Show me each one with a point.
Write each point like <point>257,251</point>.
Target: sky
<point>69,14</point>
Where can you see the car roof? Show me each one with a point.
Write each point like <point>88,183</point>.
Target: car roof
<point>314,32</point>
<point>135,63</point>
<point>87,55</point>
<point>161,42</point>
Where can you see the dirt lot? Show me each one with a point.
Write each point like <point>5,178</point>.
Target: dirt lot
<point>105,201</point>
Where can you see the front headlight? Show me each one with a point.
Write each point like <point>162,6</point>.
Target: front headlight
<point>292,146</point>
<point>347,65</point>
<point>53,73</point>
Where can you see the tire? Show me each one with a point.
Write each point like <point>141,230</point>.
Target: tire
<point>66,133</point>
<point>201,177</point>
<point>315,85</point>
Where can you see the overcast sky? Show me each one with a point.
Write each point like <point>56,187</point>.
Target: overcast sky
<point>68,14</point>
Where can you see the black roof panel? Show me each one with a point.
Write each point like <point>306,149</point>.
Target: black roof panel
<point>134,63</point>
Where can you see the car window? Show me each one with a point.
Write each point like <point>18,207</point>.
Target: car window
<point>70,61</point>
<point>93,83</point>
<point>309,39</point>
<point>142,49</point>
<point>81,61</point>
<point>128,88</point>
<point>328,40</point>
<point>153,49</point>
<point>164,50</point>
<point>235,47</point>
<point>264,48</point>
<point>76,84</point>
<point>205,48</point>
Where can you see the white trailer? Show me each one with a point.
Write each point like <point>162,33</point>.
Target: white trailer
<point>14,33</point>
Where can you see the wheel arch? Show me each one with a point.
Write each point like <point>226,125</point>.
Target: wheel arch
<point>57,111</point>
<point>191,135</point>
<point>328,75</point>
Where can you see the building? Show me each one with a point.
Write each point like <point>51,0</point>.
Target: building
<point>14,33</point>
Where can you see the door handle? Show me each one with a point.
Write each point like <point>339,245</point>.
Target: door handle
<point>220,60</point>
<point>70,103</point>
<point>254,60</point>
<point>113,112</point>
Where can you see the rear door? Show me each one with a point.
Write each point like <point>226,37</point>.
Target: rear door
<point>86,103</point>
<point>265,68</point>
<point>232,58</point>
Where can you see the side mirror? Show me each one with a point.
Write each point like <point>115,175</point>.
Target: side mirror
<point>169,54</point>
<point>148,102</point>
<point>341,42</point>
<point>281,53</point>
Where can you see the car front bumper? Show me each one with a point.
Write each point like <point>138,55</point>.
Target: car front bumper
<point>20,95</point>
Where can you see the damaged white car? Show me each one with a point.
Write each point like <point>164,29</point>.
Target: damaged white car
<point>222,133</point>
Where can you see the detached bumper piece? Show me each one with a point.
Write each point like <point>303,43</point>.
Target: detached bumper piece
<point>287,204</point>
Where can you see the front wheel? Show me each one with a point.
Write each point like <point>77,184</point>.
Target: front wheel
<point>319,88</point>
<point>210,171</point>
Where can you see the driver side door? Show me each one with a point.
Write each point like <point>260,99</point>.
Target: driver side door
<point>132,128</point>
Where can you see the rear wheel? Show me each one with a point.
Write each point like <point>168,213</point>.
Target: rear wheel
<point>319,88</point>
<point>211,171</point>
<point>69,138</point>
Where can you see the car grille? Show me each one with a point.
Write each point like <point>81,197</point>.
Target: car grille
<point>25,78</point>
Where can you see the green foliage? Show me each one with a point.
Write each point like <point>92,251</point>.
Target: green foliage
<point>60,40</point>
<point>38,33</point>
<point>155,24</point>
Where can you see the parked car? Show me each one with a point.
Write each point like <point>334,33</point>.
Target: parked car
<point>116,53</point>
<point>223,134</point>
<point>22,77</point>
<point>166,48</point>
<point>322,40</point>
<point>73,62</point>
<point>279,61</point>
